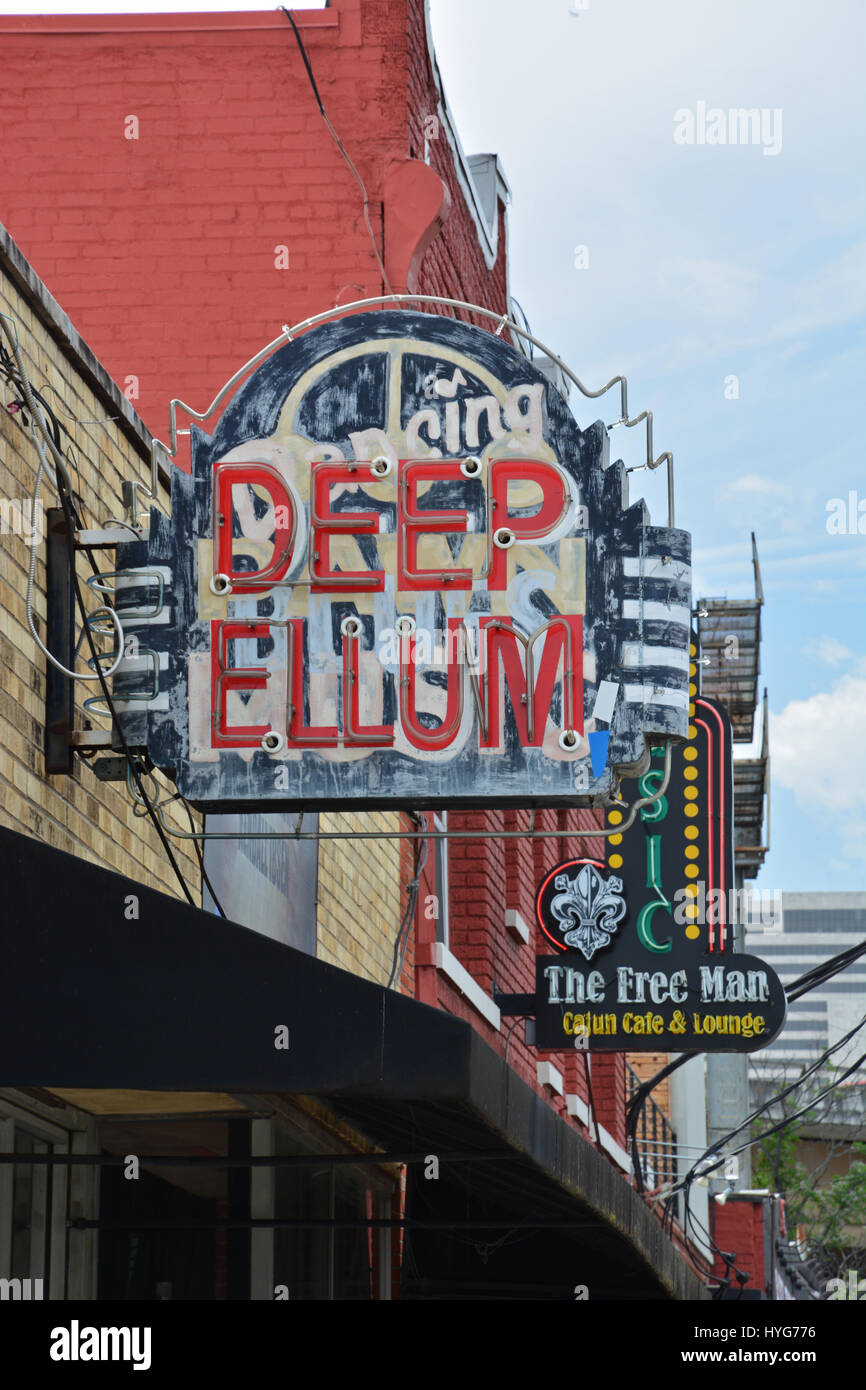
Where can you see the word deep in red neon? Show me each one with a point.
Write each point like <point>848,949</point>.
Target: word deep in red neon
<point>413,522</point>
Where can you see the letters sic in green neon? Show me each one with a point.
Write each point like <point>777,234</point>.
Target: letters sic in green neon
<point>650,783</point>
<point>653,874</point>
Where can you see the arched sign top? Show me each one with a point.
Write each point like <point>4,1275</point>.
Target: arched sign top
<point>398,574</point>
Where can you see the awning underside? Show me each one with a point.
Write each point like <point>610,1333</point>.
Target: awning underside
<point>175,999</point>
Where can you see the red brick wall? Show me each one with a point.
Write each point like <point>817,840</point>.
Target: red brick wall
<point>738,1228</point>
<point>162,248</point>
<point>163,251</point>
<point>487,876</point>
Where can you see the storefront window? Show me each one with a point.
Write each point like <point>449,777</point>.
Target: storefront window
<point>31,1185</point>
<point>330,1261</point>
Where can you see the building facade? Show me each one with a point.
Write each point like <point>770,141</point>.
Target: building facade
<point>805,929</point>
<point>264,175</point>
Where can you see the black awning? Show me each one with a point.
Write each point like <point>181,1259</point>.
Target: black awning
<point>110,985</point>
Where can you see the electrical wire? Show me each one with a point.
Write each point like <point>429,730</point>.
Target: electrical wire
<point>819,974</point>
<point>200,856</point>
<point>700,1168</point>
<point>637,1103</point>
<point>13,370</point>
<point>401,942</point>
<point>727,1257</point>
<point>811,979</point>
<point>19,378</point>
<point>106,694</point>
<point>343,151</point>
<point>797,1115</point>
<point>590,1096</point>
<point>88,620</point>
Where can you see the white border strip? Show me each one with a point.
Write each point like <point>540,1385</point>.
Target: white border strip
<point>653,611</point>
<point>469,988</point>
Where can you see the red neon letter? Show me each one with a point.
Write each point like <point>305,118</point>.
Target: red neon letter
<point>412,524</point>
<point>416,734</point>
<point>228,476</point>
<point>301,734</point>
<point>535,527</point>
<point>326,523</point>
<point>225,678</point>
<point>563,639</point>
<point>354,733</point>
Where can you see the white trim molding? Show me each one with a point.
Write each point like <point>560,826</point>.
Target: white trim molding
<point>516,926</point>
<point>549,1076</point>
<point>468,987</point>
<point>579,1110</point>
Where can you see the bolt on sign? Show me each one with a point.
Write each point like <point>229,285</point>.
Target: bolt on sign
<point>644,943</point>
<point>399,574</point>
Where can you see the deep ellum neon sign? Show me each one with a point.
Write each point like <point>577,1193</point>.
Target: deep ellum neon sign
<point>400,574</point>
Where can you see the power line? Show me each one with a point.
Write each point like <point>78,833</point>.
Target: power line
<point>401,943</point>
<point>17,375</point>
<point>343,151</point>
<point>699,1168</point>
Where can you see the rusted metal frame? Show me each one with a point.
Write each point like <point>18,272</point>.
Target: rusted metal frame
<point>586,834</point>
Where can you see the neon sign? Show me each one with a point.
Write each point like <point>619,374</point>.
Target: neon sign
<point>399,573</point>
<point>645,948</point>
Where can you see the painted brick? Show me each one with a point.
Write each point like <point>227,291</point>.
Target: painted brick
<point>162,247</point>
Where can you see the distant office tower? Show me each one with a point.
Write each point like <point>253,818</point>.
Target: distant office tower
<point>804,930</point>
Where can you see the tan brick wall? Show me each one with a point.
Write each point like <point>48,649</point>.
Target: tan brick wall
<point>360,898</point>
<point>78,814</point>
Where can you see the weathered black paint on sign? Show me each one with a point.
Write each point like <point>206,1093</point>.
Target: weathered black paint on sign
<point>380,383</point>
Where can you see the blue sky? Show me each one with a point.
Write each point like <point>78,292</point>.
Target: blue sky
<point>706,261</point>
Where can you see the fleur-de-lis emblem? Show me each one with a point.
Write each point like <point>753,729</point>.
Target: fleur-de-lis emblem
<point>588,909</point>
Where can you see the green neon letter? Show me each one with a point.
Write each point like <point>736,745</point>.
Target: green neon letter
<point>653,874</point>
<point>649,783</point>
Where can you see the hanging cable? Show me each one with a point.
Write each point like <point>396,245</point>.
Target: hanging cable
<point>811,979</point>
<point>343,151</point>
<point>401,943</point>
<point>88,620</point>
<point>590,1097</point>
<point>67,502</point>
<point>637,1103</point>
<point>727,1257</point>
<point>820,974</point>
<point>702,1169</point>
<point>199,852</point>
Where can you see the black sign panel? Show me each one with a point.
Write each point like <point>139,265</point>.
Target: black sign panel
<point>644,958</point>
<point>400,574</point>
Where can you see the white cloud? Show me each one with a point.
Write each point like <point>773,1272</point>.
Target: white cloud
<point>818,751</point>
<point>711,288</point>
<point>828,650</point>
<point>832,295</point>
<point>758,483</point>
